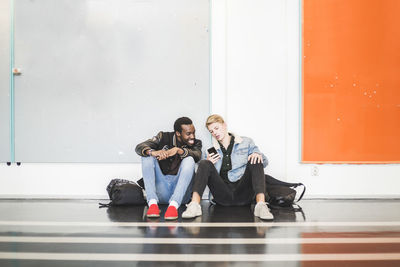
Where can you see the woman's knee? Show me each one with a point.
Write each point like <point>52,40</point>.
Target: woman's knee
<point>255,165</point>
<point>205,163</point>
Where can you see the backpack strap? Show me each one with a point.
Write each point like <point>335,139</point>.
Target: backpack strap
<point>299,209</point>
<point>302,193</point>
<point>211,198</point>
<point>105,205</point>
<point>140,183</point>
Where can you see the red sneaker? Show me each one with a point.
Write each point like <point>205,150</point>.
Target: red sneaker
<point>171,213</point>
<point>153,211</point>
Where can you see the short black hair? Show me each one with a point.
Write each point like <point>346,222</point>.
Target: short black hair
<point>178,123</point>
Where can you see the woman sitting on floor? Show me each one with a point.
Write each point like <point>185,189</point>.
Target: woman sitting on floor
<point>234,174</point>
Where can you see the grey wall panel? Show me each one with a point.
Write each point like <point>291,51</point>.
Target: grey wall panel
<point>100,76</point>
<point>4,81</point>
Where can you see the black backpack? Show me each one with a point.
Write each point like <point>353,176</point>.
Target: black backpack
<point>124,192</point>
<point>282,194</point>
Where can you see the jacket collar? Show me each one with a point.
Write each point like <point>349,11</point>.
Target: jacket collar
<point>175,142</point>
<point>238,140</point>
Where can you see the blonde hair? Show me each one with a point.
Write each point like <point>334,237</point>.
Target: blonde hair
<point>214,118</point>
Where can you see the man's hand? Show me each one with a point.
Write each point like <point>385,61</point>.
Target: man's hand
<point>159,154</point>
<point>255,158</point>
<point>175,150</point>
<point>213,157</point>
<point>164,154</point>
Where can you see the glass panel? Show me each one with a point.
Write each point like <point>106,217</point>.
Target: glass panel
<point>5,81</point>
<point>100,76</point>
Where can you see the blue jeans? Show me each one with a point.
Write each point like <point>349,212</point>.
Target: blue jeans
<point>165,188</point>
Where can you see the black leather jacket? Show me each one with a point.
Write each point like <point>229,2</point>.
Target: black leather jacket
<point>168,140</point>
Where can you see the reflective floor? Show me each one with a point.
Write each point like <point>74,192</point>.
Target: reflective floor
<point>79,233</point>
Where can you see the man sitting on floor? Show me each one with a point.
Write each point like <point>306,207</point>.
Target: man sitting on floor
<point>168,161</point>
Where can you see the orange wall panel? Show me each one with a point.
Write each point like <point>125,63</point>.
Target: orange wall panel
<point>351,81</point>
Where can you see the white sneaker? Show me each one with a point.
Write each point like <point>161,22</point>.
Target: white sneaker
<point>261,210</point>
<point>193,210</point>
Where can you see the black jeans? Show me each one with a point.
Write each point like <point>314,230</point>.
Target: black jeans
<point>239,193</point>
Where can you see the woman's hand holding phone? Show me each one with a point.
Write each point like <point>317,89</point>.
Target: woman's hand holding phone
<point>213,155</point>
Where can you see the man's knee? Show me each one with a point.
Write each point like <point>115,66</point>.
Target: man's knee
<point>188,162</point>
<point>148,161</point>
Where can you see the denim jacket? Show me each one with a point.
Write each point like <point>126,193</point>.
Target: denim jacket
<point>242,148</point>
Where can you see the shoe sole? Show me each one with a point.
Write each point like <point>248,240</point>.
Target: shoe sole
<point>171,218</point>
<point>185,217</point>
<point>269,219</point>
<point>153,215</point>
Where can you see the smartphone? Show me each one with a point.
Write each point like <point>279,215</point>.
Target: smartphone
<point>212,150</point>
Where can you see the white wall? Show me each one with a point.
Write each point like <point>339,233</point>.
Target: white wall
<point>256,87</point>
